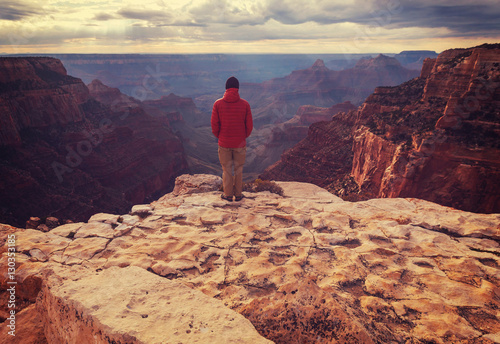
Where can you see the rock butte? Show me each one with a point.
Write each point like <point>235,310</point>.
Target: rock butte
<point>305,267</point>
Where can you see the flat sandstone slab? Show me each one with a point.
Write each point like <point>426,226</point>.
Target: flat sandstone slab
<point>304,267</point>
<point>132,305</point>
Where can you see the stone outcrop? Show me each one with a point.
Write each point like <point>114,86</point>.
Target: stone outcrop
<point>434,137</point>
<point>305,267</point>
<point>198,183</point>
<point>65,154</point>
<point>132,305</point>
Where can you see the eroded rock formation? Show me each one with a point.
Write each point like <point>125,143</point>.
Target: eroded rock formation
<point>278,99</point>
<point>322,158</point>
<point>434,137</point>
<point>268,143</point>
<point>305,267</point>
<point>65,154</point>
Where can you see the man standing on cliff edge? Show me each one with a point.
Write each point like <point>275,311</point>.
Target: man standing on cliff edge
<point>232,123</point>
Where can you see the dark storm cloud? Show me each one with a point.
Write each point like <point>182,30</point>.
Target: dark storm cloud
<point>104,17</point>
<point>468,20</point>
<point>464,19</point>
<point>144,14</point>
<point>17,10</point>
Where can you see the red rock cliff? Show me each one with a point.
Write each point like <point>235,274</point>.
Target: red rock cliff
<point>434,137</point>
<point>36,93</point>
<point>63,153</point>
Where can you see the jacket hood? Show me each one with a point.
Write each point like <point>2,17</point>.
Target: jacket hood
<point>231,95</point>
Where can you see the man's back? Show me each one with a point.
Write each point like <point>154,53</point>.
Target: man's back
<point>232,120</point>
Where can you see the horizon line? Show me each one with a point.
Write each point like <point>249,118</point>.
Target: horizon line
<point>248,53</point>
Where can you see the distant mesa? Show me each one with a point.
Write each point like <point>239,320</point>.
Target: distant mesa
<point>413,59</point>
<point>320,86</point>
<point>381,61</point>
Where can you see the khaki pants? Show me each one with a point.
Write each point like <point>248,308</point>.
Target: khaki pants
<point>233,186</point>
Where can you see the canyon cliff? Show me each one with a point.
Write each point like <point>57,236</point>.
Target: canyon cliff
<point>434,137</point>
<point>301,266</point>
<point>275,102</point>
<point>278,99</point>
<point>268,142</point>
<point>66,154</point>
<point>283,108</point>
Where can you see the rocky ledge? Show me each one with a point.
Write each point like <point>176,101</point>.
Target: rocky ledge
<point>305,267</point>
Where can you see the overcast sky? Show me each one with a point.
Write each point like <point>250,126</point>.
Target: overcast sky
<point>245,26</point>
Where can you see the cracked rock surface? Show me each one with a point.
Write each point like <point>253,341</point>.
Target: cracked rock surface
<point>305,267</point>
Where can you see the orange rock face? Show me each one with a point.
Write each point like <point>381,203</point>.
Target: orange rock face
<point>441,144</point>
<point>435,137</point>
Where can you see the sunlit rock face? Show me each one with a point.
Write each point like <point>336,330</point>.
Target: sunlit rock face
<point>434,137</point>
<point>304,267</point>
<point>63,153</point>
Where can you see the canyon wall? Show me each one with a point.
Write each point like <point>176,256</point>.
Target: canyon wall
<point>65,154</point>
<point>277,100</point>
<point>268,142</point>
<point>434,137</point>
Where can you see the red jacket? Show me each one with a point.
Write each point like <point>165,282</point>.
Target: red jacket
<point>232,120</point>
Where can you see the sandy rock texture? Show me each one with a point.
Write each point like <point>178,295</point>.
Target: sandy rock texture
<point>132,305</point>
<point>305,267</point>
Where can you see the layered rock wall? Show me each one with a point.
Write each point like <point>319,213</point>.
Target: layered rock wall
<point>65,154</point>
<point>434,137</point>
<point>36,92</point>
<point>450,153</point>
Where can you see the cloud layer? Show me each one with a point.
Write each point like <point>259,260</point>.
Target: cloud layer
<point>214,24</point>
<point>17,10</point>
